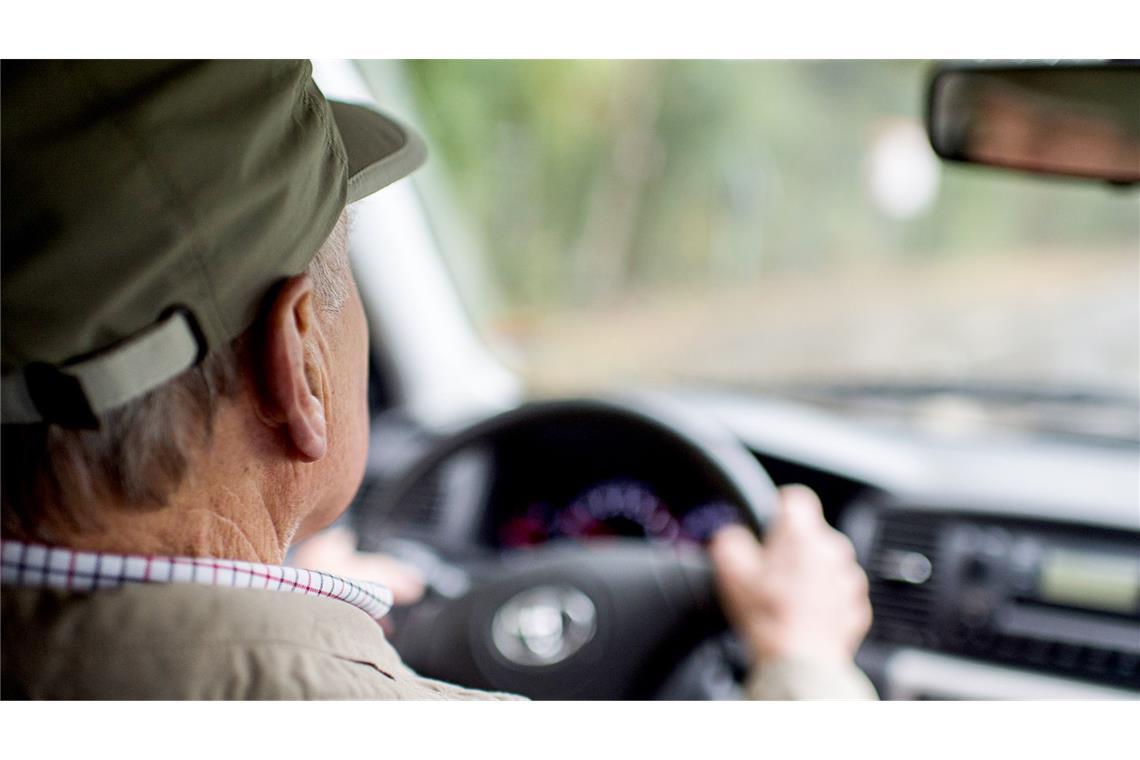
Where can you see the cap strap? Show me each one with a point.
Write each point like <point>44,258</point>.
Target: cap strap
<point>76,395</point>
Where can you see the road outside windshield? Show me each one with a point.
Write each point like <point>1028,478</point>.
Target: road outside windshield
<point>768,224</point>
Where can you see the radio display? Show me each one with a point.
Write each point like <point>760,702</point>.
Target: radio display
<point>1093,582</point>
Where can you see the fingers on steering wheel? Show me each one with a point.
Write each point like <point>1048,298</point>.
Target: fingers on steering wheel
<point>799,510</point>
<point>736,553</point>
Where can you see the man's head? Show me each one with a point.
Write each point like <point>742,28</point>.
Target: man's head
<point>179,319</point>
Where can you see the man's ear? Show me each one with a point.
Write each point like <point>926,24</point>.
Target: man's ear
<point>291,397</point>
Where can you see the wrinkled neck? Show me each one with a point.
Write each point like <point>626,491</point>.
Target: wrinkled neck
<point>234,503</point>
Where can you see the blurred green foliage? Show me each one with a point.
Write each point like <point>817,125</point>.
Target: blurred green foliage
<point>589,179</point>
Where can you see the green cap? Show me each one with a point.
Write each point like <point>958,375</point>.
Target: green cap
<point>149,206</point>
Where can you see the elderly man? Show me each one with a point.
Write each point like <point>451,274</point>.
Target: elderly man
<point>184,396</point>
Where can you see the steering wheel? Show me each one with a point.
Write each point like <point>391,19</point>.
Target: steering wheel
<point>617,619</point>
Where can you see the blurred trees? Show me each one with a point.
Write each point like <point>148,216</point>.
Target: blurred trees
<point>589,179</point>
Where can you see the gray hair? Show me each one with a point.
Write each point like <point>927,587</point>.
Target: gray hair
<point>140,454</point>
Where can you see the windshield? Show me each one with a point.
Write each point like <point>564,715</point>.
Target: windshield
<point>774,224</point>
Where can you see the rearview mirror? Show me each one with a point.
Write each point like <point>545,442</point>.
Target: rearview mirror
<point>1071,119</point>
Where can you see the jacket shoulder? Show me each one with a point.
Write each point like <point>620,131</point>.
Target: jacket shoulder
<point>198,642</point>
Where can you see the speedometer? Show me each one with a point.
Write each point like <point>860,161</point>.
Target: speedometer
<point>618,508</point>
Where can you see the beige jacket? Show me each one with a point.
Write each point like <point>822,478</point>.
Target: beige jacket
<point>185,641</point>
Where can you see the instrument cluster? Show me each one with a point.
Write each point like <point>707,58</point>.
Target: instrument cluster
<point>614,508</point>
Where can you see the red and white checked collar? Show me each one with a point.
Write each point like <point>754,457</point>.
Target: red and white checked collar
<point>41,566</point>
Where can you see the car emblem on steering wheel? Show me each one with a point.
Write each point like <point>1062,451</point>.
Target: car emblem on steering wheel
<point>544,625</point>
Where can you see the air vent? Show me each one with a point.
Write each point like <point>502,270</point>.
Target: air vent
<point>903,573</point>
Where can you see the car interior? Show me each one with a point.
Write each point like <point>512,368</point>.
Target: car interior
<point>560,535</point>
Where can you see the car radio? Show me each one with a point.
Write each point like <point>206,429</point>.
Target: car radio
<point>1071,590</point>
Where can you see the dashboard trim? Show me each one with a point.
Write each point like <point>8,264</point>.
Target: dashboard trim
<point>1024,478</point>
<point>916,673</point>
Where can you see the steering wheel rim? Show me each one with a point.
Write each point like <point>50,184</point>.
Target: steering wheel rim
<point>627,608</point>
<point>730,463</point>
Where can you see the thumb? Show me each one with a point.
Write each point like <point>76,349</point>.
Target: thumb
<point>800,509</point>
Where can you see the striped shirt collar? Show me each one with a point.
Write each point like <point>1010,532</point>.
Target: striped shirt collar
<point>39,566</point>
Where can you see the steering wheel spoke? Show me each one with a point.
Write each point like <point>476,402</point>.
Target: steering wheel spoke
<point>569,621</point>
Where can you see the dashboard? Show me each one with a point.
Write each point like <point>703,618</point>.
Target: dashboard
<point>1020,580</point>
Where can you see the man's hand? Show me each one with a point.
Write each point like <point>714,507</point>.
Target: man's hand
<point>334,550</point>
<point>800,595</point>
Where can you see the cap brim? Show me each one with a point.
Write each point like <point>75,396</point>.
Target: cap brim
<point>380,149</point>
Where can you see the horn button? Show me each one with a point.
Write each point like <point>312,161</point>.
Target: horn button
<point>544,625</point>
